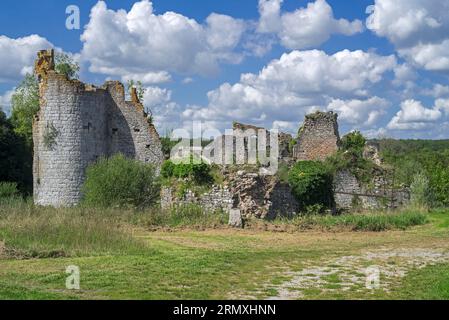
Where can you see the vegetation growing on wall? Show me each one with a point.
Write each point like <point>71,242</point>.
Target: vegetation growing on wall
<point>350,157</point>
<point>66,65</point>
<point>311,184</point>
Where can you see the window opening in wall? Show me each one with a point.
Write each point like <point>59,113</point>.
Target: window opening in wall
<point>89,125</point>
<point>114,130</point>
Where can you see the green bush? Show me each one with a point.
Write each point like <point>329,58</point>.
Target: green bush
<point>8,190</point>
<point>350,157</point>
<point>311,184</point>
<point>353,142</point>
<point>199,173</point>
<point>9,194</point>
<point>120,182</point>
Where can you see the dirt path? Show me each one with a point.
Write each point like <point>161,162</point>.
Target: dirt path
<point>351,272</point>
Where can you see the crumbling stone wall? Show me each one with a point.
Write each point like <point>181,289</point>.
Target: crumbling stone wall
<point>255,195</point>
<point>318,138</point>
<point>350,193</point>
<point>261,196</point>
<point>76,125</point>
<point>217,198</point>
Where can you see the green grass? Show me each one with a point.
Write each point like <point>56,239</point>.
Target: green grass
<point>360,222</point>
<point>430,283</point>
<point>29,232</point>
<point>120,258</point>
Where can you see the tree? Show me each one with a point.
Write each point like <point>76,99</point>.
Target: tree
<point>64,64</point>
<point>15,160</point>
<point>354,143</point>
<point>25,104</point>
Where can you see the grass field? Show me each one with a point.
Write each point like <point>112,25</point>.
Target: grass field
<point>128,258</point>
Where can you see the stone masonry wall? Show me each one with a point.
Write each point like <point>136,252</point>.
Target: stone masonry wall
<point>349,193</point>
<point>256,196</point>
<point>318,138</point>
<point>215,199</point>
<point>76,125</point>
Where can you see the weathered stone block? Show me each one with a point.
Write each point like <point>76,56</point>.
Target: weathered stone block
<point>235,218</point>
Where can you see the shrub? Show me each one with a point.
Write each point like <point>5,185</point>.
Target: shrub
<point>199,173</point>
<point>350,157</point>
<point>120,182</point>
<point>419,191</point>
<point>8,190</point>
<point>353,142</point>
<point>311,184</point>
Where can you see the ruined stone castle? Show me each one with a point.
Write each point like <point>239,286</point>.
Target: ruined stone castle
<point>79,123</point>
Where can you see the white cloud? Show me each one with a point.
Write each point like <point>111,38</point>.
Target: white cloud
<point>142,42</point>
<point>418,28</point>
<point>270,16</point>
<point>295,84</point>
<point>155,96</point>
<point>414,116</point>
<point>187,80</point>
<point>430,56</point>
<point>5,102</point>
<point>305,27</point>
<point>17,56</point>
<point>437,91</point>
<point>148,78</point>
<point>360,113</point>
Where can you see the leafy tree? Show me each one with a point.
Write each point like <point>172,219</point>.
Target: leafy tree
<point>15,160</point>
<point>25,104</point>
<point>311,184</point>
<point>353,143</point>
<point>64,64</point>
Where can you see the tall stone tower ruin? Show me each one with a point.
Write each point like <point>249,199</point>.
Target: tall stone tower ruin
<point>79,123</point>
<point>318,138</point>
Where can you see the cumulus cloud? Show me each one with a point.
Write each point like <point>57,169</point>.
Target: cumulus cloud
<point>304,27</point>
<point>437,91</point>
<point>142,42</point>
<point>297,83</point>
<point>418,28</point>
<point>414,116</point>
<point>17,56</point>
<point>359,113</point>
<point>148,78</point>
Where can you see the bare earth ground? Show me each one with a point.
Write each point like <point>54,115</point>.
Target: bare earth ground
<point>240,264</point>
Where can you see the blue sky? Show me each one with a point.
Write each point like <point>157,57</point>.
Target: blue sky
<point>267,62</point>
